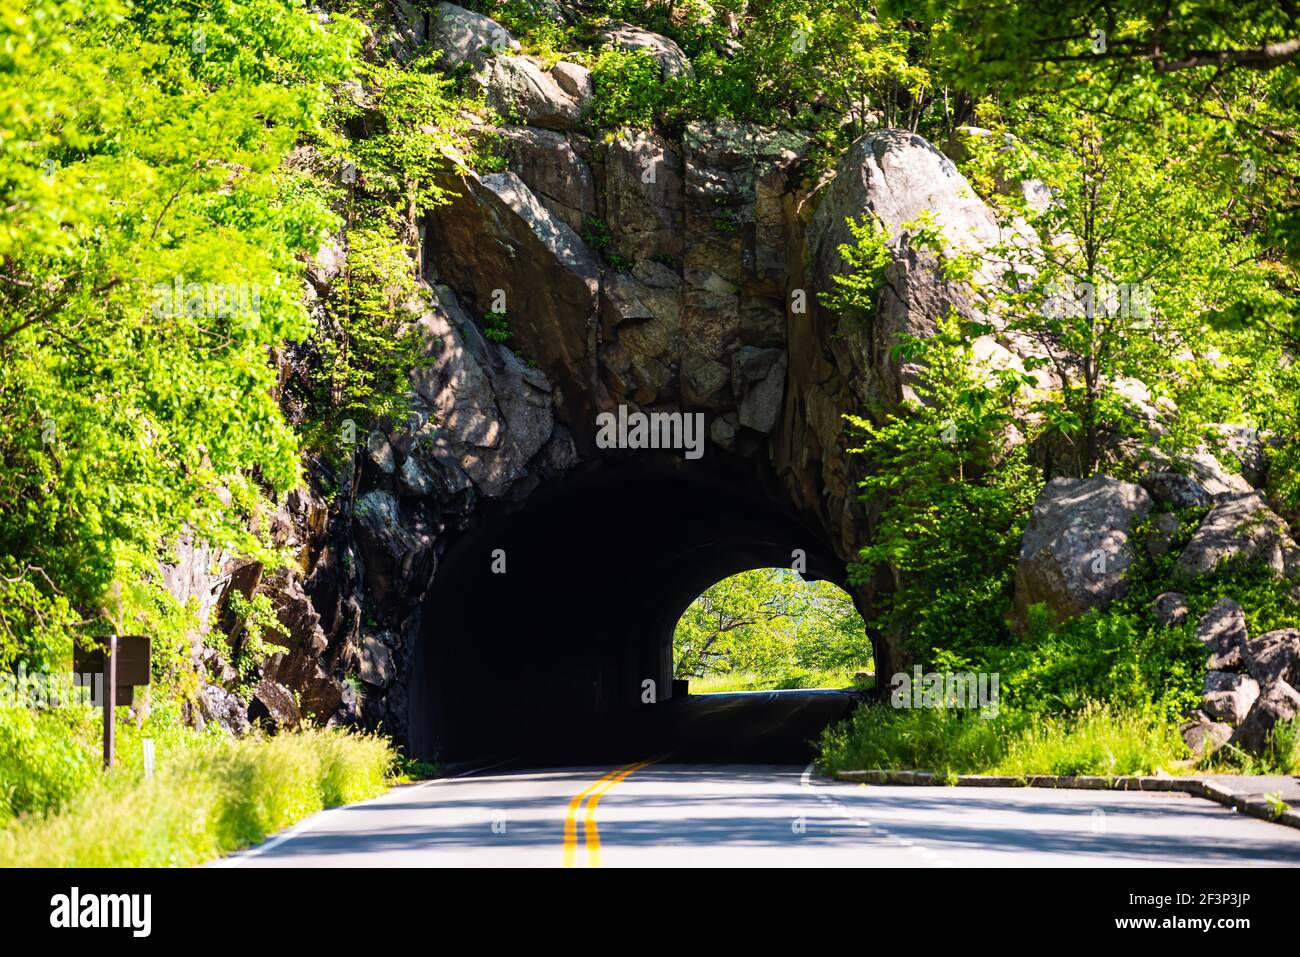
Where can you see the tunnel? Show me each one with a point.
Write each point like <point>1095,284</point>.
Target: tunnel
<point>549,626</point>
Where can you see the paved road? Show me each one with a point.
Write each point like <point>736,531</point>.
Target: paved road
<point>764,815</point>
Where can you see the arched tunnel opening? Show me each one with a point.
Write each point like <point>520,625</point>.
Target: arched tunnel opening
<point>548,633</point>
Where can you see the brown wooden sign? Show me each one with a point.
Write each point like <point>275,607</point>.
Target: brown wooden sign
<point>133,665</point>
<point>125,665</point>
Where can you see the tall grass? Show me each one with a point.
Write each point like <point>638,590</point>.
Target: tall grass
<point>215,797</point>
<point>1095,740</point>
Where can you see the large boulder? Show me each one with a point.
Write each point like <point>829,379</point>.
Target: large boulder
<point>1222,630</point>
<point>1277,702</point>
<point>1228,696</point>
<point>1274,656</point>
<point>1203,736</point>
<point>896,177</point>
<point>1241,527</point>
<point>758,376</point>
<point>1076,550</point>
<point>463,36</point>
<point>1197,479</point>
<point>520,90</point>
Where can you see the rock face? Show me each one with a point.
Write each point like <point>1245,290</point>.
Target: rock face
<point>552,168</point>
<point>1243,527</point>
<point>1076,549</point>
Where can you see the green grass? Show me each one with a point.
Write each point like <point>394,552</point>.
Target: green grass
<point>1280,756</point>
<point>749,681</point>
<point>1098,739</point>
<point>210,797</point>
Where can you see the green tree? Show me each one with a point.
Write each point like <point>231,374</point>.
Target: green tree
<point>769,621</point>
<point>150,261</point>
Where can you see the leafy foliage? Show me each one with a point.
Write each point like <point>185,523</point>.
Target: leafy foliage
<point>149,260</point>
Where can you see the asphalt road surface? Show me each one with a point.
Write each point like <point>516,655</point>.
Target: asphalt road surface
<point>662,814</point>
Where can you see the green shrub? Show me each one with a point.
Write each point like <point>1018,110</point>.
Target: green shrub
<point>1099,739</point>
<point>46,758</point>
<point>629,90</point>
<point>930,739</point>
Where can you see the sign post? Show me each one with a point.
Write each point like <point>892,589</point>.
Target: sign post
<point>124,663</point>
<point>110,699</point>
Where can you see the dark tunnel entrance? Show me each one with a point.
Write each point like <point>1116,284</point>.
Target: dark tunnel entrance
<point>548,631</point>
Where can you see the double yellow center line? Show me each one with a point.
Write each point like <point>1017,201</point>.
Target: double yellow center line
<point>591,832</point>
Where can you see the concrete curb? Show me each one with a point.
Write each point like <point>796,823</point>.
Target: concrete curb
<point>1210,790</point>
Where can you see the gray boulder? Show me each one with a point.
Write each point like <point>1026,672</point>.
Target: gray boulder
<point>1229,696</point>
<point>758,376</point>
<point>1199,480</point>
<point>464,36</point>
<point>1277,702</point>
<point>1222,630</point>
<point>896,177</point>
<point>574,80</point>
<point>519,89</point>
<point>1076,550</point>
<point>1203,736</point>
<point>1274,656</point>
<point>1242,527</point>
